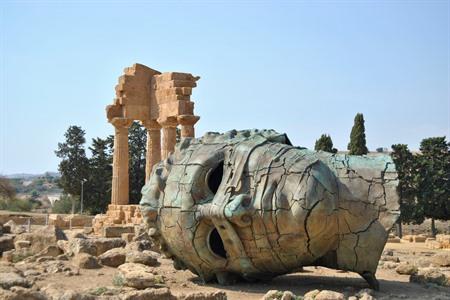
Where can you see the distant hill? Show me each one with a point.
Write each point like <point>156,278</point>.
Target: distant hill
<point>32,176</point>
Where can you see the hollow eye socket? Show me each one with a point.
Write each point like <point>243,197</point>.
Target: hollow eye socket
<point>215,178</point>
<point>216,244</point>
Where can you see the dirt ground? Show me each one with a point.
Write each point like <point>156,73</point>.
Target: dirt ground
<point>392,285</point>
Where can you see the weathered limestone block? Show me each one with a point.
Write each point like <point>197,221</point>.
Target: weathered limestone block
<point>113,257</point>
<point>85,261</point>
<point>117,231</point>
<point>6,243</point>
<point>248,204</point>
<point>42,237</point>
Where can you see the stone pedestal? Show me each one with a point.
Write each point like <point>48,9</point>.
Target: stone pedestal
<point>153,154</point>
<point>119,193</point>
<point>169,139</point>
<point>187,123</point>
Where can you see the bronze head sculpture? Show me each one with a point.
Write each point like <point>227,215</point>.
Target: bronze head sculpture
<point>247,204</point>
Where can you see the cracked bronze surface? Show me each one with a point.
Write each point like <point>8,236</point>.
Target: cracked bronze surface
<point>247,204</point>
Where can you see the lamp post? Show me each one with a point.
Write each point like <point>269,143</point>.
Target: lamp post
<point>82,190</point>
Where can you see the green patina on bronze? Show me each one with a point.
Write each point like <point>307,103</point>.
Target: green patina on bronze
<point>247,204</point>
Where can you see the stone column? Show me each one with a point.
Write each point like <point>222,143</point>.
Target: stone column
<point>119,193</point>
<point>153,154</point>
<point>169,139</point>
<point>187,123</point>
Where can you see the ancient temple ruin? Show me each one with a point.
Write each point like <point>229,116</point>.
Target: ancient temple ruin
<point>160,102</point>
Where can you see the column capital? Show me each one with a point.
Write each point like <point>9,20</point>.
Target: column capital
<point>168,122</point>
<point>121,122</point>
<point>188,119</point>
<point>151,125</point>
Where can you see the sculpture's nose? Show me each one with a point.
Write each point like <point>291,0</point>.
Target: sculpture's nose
<point>239,210</point>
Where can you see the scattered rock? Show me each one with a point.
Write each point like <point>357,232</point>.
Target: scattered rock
<point>88,230</point>
<point>423,262</point>
<point>52,291</point>
<point>105,244</point>
<point>217,295</point>
<point>365,294</point>
<point>329,295</point>
<point>20,293</point>
<point>113,257</point>
<point>389,265</point>
<point>127,237</point>
<point>79,245</point>
<point>31,272</point>
<point>64,246</point>
<point>406,269</point>
<point>6,243</point>
<point>51,250</point>
<point>12,227</point>
<point>8,256</point>
<point>86,261</point>
<point>141,280</point>
<point>139,245</point>
<point>149,294</point>
<point>62,257</point>
<point>130,267</point>
<point>148,258</point>
<point>311,294</point>
<point>21,244</point>
<point>441,260</point>
<point>391,258</point>
<point>273,295</point>
<point>288,295</point>
<point>42,237</point>
<point>117,230</point>
<point>429,275</point>
<point>44,258</point>
<point>75,234</point>
<point>10,279</point>
<point>138,276</point>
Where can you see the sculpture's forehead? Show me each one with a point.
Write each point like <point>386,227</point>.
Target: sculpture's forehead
<point>232,147</point>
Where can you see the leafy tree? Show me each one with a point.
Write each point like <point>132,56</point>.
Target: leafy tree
<point>433,179</point>
<point>74,165</point>
<point>324,143</point>
<point>65,204</point>
<point>410,210</point>
<point>34,195</point>
<point>357,145</point>
<point>7,190</point>
<point>98,185</point>
<point>137,143</point>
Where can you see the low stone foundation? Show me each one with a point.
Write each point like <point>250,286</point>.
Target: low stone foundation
<point>442,241</point>
<point>70,221</point>
<point>117,220</point>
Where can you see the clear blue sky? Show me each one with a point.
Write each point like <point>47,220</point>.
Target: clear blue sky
<point>300,67</point>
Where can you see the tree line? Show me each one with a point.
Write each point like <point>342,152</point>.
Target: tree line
<point>424,177</point>
<point>94,173</point>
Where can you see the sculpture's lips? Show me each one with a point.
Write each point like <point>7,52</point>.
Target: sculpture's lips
<point>247,203</point>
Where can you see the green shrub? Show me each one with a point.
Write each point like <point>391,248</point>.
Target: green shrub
<point>16,204</point>
<point>118,280</point>
<point>64,205</point>
<point>98,291</point>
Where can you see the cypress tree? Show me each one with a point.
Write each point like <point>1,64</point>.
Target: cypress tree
<point>137,138</point>
<point>405,163</point>
<point>433,179</point>
<point>324,143</point>
<point>357,145</point>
